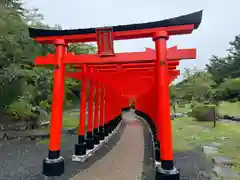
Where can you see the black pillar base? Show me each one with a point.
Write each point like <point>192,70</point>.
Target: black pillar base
<point>119,118</point>
<point>80,149</point>
<point>157,155</point>
<point>53,167</point>
<point>126,109</point>
<point>96,139</point>
<point>101,135</point>
<point>157,151</point>
<point>106,130</point>
<point>89,141</point>
<point>162,174</point>
<point>155,137</point>
<point>114,123</point>
<point>110,127</point>
<point>96,136</point>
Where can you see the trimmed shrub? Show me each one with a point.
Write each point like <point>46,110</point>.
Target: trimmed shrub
<point>204,112</point>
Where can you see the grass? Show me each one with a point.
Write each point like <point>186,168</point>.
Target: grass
<point>70,120</point>
<point>229,108</point>
<point>189,133</point>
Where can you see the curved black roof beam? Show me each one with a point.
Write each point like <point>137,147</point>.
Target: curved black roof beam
<point>193,18</point>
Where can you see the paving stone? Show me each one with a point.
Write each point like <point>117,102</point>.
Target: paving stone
<point>215,144</point>
<point>225,172</point>
<point>222,138</point>
<point>208,150</point>
<point>221,160</point>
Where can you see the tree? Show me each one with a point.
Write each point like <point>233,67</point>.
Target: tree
<point>23,86</point>
<point>226,67</point>
<point>196,86</point>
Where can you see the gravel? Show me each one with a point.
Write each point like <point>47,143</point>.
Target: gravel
<point>22,160</point>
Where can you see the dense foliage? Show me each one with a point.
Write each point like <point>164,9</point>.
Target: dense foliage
<point>25,90</point>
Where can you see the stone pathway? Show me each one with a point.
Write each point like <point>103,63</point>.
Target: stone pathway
<point>125,160</point>
<point>221,165</point>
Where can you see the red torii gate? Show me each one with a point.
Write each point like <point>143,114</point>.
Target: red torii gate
<point>136,80</point>
<point>158,95</point>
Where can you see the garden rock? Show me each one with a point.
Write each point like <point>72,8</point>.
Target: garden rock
<point>236,118</point>
<point>172,117</point>
<point>72,131</point>
<point>227,117</point>
<point>177,115</point>
<point>69,130</point>
<point>10,135</point>
<point>44,123</point>
<point>231,118</point>
<point>2,135</point>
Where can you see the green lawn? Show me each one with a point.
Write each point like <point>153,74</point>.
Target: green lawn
<point>70,120</point>
<point>229,108</point>
<point>189,134</point>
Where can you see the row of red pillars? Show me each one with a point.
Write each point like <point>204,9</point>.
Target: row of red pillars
<point>104,110</point>
<point>162,100</point>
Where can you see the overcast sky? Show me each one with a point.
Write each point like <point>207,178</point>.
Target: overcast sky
<point>221,21</point>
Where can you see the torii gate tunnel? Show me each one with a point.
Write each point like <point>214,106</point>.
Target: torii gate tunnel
<point>114,78</point>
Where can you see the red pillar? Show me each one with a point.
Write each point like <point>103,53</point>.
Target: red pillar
<point>96,110</point>
<point>53,165</point>
<point>80,147</point>
<point>164,133</point>
<point>115,113</point>
<point>107,126</point>
<point>97,134</point>
<point>102,106</point>
<point>102,97</point>
<point>101,120</point>
<point>90,107</point>
<point>90,140</point>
